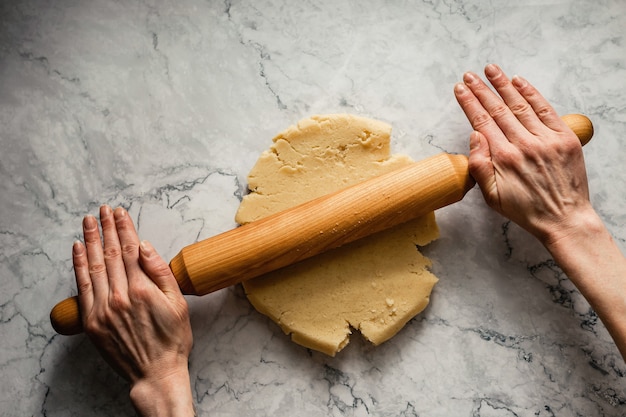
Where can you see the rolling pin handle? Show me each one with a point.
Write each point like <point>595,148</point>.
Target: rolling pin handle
<point>66,318</point>
<point>580,125</point>
<point>179,269</point>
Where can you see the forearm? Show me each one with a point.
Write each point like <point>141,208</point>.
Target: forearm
<point>594,263</point>
<point>167,397</point>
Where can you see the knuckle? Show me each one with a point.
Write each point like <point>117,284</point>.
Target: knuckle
<point>92,326</point>
<point>499,110</point>
<point>543,111</point>
<point>80,262</point>
<point>105,317</point>
<point>119,302</point>
<point>138,293</point>
<point>85,288</point>
<point>162,270</point>
<point>112,252</point>
<point>130,249</point>
<point>534,156</point>
<point>480,119</point>
<point>520,108</point>
<point>92,238</point>
<point>97,269</point>
<point>568,147</point>
<point>95,323</point>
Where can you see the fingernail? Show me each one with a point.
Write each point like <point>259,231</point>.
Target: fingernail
<point>469,78</point>
<point>90,222</point>
<point>492,70</point>
<point>77,248</point>
<point>145,247</point>
<point>105,210</point>
<point>460,88</point>
<point>518,81</point>
<point>119,213</point>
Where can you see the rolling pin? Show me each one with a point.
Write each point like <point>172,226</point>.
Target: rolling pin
<point>317,226</point>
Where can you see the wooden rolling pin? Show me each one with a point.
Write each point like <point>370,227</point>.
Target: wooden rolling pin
<point>317,226</point>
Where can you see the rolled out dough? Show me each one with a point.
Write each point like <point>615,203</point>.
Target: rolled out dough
<point>375,285</point>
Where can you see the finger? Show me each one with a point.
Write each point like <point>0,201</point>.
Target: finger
<point>83,280</point>
<point>95,258</point>
<point>514,100</point>
<point>118,283</point>
<point>129,242</point>
<point>157,269</point>
<point>495,107</point>
<point>482,169</point>
<point>542,109</point>
<point>479,117</point>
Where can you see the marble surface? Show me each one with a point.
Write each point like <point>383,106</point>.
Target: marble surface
<point>163,107</point>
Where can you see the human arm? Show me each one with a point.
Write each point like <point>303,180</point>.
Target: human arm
<point>530,168</point>
<point>135,314</point>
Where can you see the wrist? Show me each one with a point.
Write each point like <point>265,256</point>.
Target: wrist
<point>166,396</point>
<point>581,227</point>
<point>582,247</point>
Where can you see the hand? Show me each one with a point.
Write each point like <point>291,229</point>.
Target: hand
<point>530,168</point>
<point>134,312</point>
<point>528,163</point>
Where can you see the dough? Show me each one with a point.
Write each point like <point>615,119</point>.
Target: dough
<point>375,285</point>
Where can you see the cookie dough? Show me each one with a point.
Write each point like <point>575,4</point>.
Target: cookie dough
<point>375,285</point>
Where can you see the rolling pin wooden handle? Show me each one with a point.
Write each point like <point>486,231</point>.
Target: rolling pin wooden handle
<point>315,227</point>
<point>66,318</point>
<point>580,125</point>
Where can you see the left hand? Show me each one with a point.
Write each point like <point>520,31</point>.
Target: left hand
<point>131,306</point>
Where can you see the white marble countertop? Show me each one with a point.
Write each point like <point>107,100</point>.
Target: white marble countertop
<point>163,107</point>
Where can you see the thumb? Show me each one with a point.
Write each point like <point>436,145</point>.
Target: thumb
<point>157,269</point>
<point>481,167</point>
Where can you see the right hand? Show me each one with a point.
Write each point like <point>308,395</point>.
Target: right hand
<point>528,163</point>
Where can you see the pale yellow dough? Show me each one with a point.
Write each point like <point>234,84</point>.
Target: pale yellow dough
<point>375,285</point>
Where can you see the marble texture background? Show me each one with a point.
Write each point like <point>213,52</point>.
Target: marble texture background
<point>163,107</point>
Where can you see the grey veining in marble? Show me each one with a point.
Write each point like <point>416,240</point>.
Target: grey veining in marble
<point>163,107</point>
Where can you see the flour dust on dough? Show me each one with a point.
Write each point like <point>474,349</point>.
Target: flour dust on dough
<point>375,285</point>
